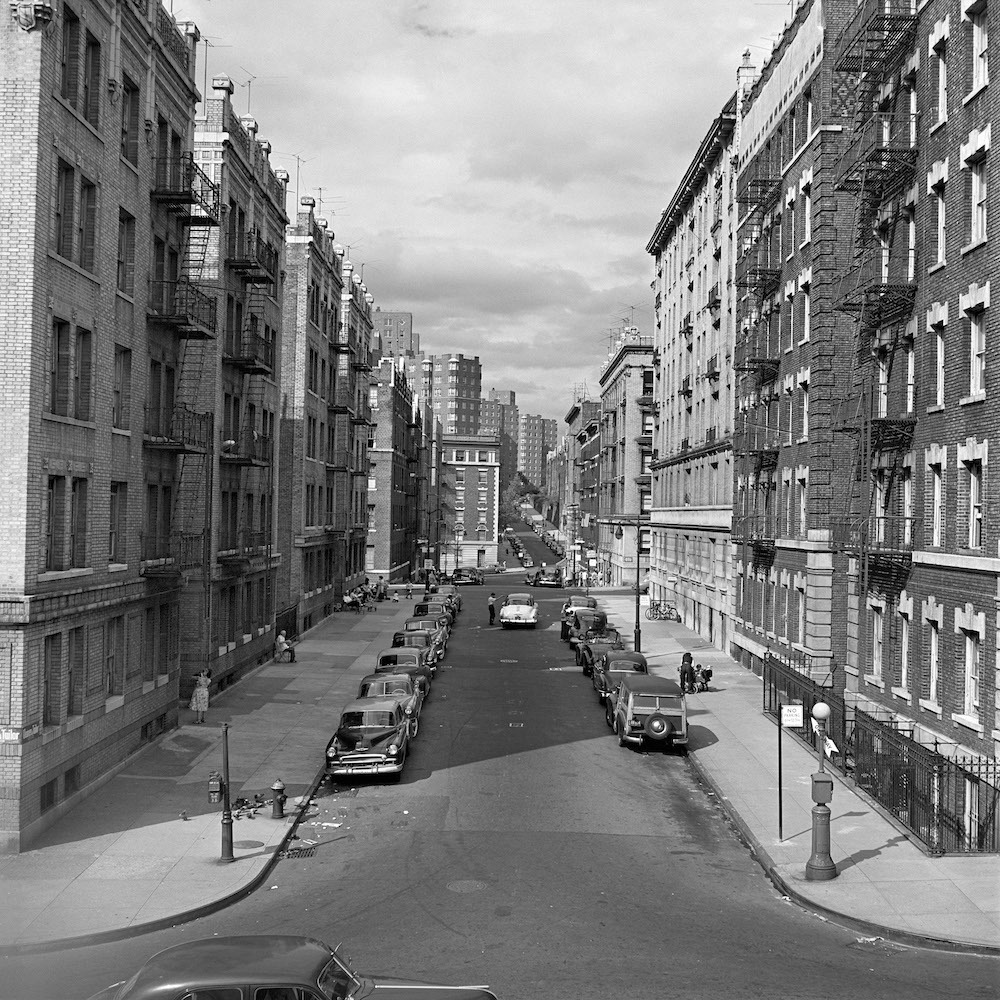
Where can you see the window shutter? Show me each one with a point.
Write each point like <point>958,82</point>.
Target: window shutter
<point>95,659</point>
<point>88,224</point>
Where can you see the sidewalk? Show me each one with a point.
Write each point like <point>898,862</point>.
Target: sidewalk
<point>886,885</point>
<point>126,858</point>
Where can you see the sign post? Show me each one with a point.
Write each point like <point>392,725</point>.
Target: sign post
<point>788,715</point>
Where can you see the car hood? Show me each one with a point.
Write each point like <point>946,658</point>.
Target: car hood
<point>368,739</point>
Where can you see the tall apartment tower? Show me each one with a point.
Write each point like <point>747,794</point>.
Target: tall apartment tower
<point>229,597</point>
<point>689,409</point>
<point>536,438</point>
<point>315,485</point>
<point>394,334</point>
<point>106,220</point>
<point>452,385</point>
<point>499,418</point>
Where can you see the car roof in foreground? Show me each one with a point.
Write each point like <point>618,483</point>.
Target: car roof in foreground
<point>384,679</point>
<point>265,958</point>
<point>651,684</point>
<point>623,655</point>
<point>398,654</point>
<point>382,703</point>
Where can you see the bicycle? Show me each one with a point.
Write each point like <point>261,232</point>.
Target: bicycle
<point>662,611</point>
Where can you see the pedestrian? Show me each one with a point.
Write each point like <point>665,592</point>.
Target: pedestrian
<point>491,604</point>
<point>687,672</point>
<point>409,590</point>
<point>199,697</point>
<point>282,646</point>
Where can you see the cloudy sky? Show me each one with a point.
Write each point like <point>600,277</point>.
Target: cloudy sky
<point>498,165</point>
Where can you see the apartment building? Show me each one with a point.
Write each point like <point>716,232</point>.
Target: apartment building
<point>580,505</point>
<point>394,333</point>
<point>316,475</point>
<point>499,417</point>
<point>625,463</point>
<point>228,600</point>
<point>394,484</point>
<point>452,384</point>
<point>104,222</point>
<point>470,472</point>
<point>536,436</point>
<point>918,544</point>
<point>689,406</point>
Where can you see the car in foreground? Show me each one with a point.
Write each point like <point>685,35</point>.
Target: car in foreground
<point>591,647</point>
<point>586,622</point>
<point>542,578</point>
<point>573,602</point>
<point>404,688</point>
<point>435,608</point>
<point>646,709</point>
<point>276,966</point>
<point>411,660</point>
<point>612,667</point>
<point>429,623</point>
<point>518,610</point>
<point>372,739</point>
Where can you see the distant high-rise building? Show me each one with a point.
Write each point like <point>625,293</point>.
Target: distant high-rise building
<point>499,418</point>
<point>451,384</point>
<point>536,438</point>
<point>394,333</point>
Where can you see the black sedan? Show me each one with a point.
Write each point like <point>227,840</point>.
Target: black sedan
<point>612,666</point>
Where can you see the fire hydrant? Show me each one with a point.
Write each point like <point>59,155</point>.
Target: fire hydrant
<point>278,799</point>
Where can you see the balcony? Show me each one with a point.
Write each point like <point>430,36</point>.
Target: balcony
<point>179,183</point>
<point>759,445</point>
<point>249,352</point>
<point>249,254</point>
<point>342,460</point>
<point>754,358</point>
<point>168,554</point>
<point>685,388</point>
<point>875,291</point>
<point>886,537</point>
<point>647,402</point>
<point>240,546</point>
<point>184,306</point>
<point>758,278</point>
<point>712,368</point>
<point>756,530</point>
<point>246,447</point>
<point>177,428</point>
<point>876,39</point>
<point>687,325</point>
<point>885,433</point>
<point>880,159</point>
<point>644,440</point>
<point>760,193</point>
<point>714,298</point>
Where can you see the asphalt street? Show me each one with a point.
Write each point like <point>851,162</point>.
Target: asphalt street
<point>525,849</point>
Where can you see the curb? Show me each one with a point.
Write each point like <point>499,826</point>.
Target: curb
<point>892,934</point>
<point>173,920</point>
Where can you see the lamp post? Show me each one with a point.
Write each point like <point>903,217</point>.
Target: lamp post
<point>227,810</point>
<point>620,533</point>
<point>459,535</point>
<point>820,866</point>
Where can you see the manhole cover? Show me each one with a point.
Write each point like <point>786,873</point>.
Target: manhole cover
<point>466,885</point>
<point>246,845</point>
<point>299,852</point>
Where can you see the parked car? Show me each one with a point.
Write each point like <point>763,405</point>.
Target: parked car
<point>424,639</point>
<point>527,561</point>
<point>550,578</point>
<point>248,966</point>
<point>435,609</point>
<point>648,709</point>
<point>519,609</point>
<point>433,623</point>
<point>409,659</point>
<point>610,667</point>
<point>373,738</point>
<point>586,621</point>
<point>573,602</point>
<point>465,577</point>
<point>402,687</point>
<point>591,647</point>
<point>449,591</point>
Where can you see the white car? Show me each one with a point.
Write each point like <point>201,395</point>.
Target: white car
<point>519,609</point>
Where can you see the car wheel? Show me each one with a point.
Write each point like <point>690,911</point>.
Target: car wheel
<point>607,714</point>
<point>658,727</point>
<point>620,732</point>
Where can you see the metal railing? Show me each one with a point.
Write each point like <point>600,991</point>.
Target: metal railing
<point>179,425</point>
<point>249,350</point>
<point>182,303</point>
<point>249,251</point>
<point>174,550</point>
<point>246,446</point>
<point>179,179</point>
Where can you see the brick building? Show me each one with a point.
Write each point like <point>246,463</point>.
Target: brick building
<point>104,219</point>
<point>394,483</point>
<point>690,405</point>
<point>394,333</point>
<point>626,454</point>
<point>581,504</point>
<point>536,437</point>
<point>470,472</point>
<point>498,417</point>
<point>317,393</point>
<point>452,385</point>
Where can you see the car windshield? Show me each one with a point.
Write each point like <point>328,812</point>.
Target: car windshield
<point>376,688</point>
<point>417,639</point>
<point>623,666</point>
<point>366,720</point>
<point>522,601</point>
<point>336,981</point>
<point>651,702</point>
<point>422,624</point>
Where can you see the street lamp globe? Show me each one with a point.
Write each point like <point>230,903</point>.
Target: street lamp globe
<point>821,711</point>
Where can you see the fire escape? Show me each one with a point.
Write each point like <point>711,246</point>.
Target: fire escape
<point>756,438</point>
<point>177,419</point>
<point>249,350</point>
<point>876,287</point>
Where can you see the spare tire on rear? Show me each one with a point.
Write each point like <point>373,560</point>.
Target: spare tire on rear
<point>658,727</point>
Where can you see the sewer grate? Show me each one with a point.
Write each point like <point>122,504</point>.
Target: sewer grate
<point>298,852</point>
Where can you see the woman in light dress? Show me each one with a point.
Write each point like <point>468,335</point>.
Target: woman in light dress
<point>199,697</point>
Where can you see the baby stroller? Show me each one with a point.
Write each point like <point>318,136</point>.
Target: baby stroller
<point>702,675</point>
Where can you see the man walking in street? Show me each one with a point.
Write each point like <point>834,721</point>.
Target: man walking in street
<point>491,603</point>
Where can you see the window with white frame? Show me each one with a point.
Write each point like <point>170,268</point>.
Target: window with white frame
<point>910,218</point>
<point>978,199</point>
<point>973,666</point>
<point>904,650</point>
<point>974,469</point>
<point>910,360</point>
<point>941,65</point>
<point>878,617</point>
<point>806,213</point>
<point>937,504</point>
<point>940,225</point>
<point>805,409</point>
<point>933,660</point>
<point>803,495</point>
<point>980,46</point>
<point>882,367</point>
<point>907,491</point>
<point>939,361</point>
<point>806,307</point>
<point>977,352</point>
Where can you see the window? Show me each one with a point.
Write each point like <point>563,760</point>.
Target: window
<point>55,500</point>
<point>806,307</point>
<point>975,471</point>
<point>877,648</point>
<point>907,488</point>
<point>941,228</point>
<point>977,352</point>
<point>87,225</point>
<point>91,97</point>
<point>807,213</point>
<point>973,665</point>
<point>941,52</point>
<point>59,368</point>
<point>65,190</point>
<point>69,56</point>
<point>805,409</point>
<point>803,495</point>
<point>51,672</point>
<point>117,522</point>
<point>910,359</point>
<point>130,120</point>
<point>121,387</point>
<point>78,523</point>
<point>980,48</point>
<point>937,505</point>
<point>910,219</point>
<point>114,655</point>
<point>933,661</point>
<point>76,671</point>
<point>939,359</point>
<point>978,190</point>
<point>126,252</point>
<point>82,373</point>
<point>882,364</point>
<point>904,651</point>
